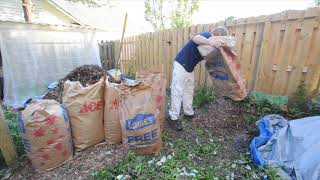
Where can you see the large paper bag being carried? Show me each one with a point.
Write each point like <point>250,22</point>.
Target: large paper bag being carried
<point>157,82</point>
<point>46,134</point>
<point>112,127</point>
<point>141,131</point>
<point>224,69</point>
<point>85,109</point>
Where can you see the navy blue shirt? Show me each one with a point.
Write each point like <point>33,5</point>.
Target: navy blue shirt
<point>189,56</point>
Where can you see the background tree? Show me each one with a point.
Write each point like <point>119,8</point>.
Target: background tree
<point>93,3</point>
<point>317,2</point>
<point>229,19</point>
<point>170,13</point>
<point>182,15</point>
<point>153,13</point>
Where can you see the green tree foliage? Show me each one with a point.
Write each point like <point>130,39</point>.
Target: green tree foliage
<point>182,16</point>
<point>229,19</point>
<point>317,2</point>
<point>170,13</point>
<point>153,13</point>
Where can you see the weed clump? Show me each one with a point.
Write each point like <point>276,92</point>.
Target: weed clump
<point>203,95</point>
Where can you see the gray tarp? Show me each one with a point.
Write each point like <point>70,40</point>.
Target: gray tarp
<point>292,145</point>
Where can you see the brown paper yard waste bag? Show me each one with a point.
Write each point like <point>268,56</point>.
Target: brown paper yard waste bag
<point>112,127</point>
<point>224,69</point>
<point>141,130</point>
<point>158,83</point>
<point>46,134</point>
<point>85,110</point>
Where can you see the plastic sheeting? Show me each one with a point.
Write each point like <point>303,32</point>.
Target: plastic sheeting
<point>34,58</point>
<point>292,145</point>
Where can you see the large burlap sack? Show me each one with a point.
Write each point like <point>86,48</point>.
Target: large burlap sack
<point>225,72</point>
<point>85,110</point>
<point>158,82</point>
<point>141,130</point>
<point>46,134</point>
<point>112,127</point>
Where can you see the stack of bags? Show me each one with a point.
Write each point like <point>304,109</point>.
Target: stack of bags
<point>101,110</point>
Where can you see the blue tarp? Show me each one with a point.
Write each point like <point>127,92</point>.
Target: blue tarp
<point>294,146</point>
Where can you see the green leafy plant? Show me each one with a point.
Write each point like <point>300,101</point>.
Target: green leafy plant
<point>300,105</point>
<point>203,96</point>
<point>13,124</point>
<point>251,119</point>
<point>131,73</point>
<point>272,173</point>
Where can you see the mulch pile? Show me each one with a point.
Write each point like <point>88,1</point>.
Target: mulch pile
<point>86,74</point>
<point>224,117</point>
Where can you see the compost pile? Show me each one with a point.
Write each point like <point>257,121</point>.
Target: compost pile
<point>86,74</point>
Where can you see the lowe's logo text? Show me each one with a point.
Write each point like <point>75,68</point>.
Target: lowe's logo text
<point>140,121</point>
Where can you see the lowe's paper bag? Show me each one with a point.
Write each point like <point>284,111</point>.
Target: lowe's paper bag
<point>141,130</point>
<point>158,83</point>
<point>46,134</point>
<point>85,109</point>
<point>224,71</point>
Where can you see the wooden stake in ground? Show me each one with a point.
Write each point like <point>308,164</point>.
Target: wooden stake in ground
<point>6,144</point>
<point>119,63</point>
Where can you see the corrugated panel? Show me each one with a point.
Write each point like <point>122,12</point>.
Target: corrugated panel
<point>43,12</point>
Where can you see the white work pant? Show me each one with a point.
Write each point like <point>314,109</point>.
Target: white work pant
<point>182,87</point>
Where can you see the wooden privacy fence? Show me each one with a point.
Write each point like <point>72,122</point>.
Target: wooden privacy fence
<point>107,56</point>
<point>276,52</point>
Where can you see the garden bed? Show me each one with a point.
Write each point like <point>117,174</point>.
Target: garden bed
<point>214,144</point>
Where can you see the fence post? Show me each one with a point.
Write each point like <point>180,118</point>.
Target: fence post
<point>6,144</point>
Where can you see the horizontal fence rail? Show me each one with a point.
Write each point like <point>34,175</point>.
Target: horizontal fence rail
<point>276,52</point>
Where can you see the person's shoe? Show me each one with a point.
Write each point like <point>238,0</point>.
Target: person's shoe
<point>175,124</point>
<point>189,117</point>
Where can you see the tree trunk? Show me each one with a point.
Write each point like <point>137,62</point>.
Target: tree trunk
<point>27,10</point>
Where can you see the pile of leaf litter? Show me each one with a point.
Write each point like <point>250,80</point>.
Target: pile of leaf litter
<point>86,74</point>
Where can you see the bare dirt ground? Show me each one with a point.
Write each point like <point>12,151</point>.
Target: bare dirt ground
<point>220,121</point>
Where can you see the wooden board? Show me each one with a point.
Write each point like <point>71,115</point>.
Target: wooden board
<point>299,59</point>
<point>240,34</point>
<point>6,144</point>
<point>155,49</point>
<point>273,59</point>
<point>286,55</point>
<point>312,78</point>
<point>247,52</point>
<point>253,71</point>
<point>264,57</point>
<point>161,59</point>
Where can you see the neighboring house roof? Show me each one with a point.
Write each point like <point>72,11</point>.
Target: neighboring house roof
<point>44,12</point>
